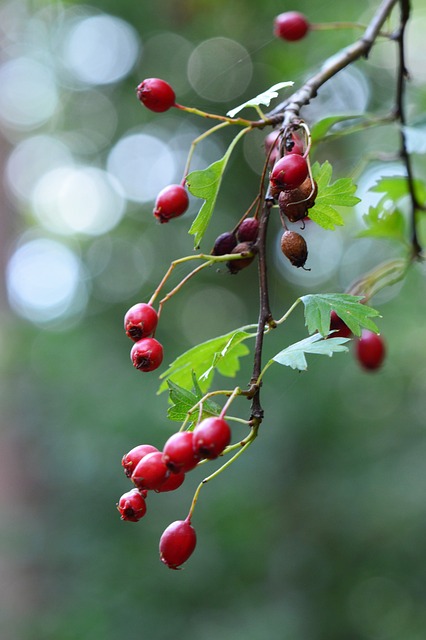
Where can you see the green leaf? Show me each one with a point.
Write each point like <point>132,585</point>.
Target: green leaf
<point>263,98</point>
<point>384,223</point>
<point>294,355</point>
<point>182,400</point>
<point>396,187</point>
<point>322,127</point>
<point>349,308</point>
<point>222,353</point>
<point>338,194</point>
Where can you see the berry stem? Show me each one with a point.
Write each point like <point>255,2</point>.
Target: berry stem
<point>242,122</point>
<point>236,392</point>
<point>332,26</point>
<point>194,143</point>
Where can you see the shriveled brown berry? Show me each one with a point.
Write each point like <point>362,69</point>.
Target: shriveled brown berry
<point>247,251</point>
<point>295,203</point>
<point>294,247</point>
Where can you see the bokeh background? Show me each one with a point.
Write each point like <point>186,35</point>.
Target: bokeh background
<point>318,533</point>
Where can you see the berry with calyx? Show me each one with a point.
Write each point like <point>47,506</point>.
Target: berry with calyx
<point>370,350</point>
<point>341,330</point>
<point>171,202</point>
<point>131,459</point>
<point>288,173</point>
<point>147,354</point>
<point>294,247</point>
<point>150,472</point>
<point>224,244</point>
<point>295,203</point>
<point>294,144</point>
<point>156,94</point>
<point>140,321</point>
<point>172,483</point>
<point>132,506</point>
<point>291,26</point>
<point>177,543</point>
<point>178,452</point>
<point>247,256</point>
<point>211,437</point>
<point>248,230</point>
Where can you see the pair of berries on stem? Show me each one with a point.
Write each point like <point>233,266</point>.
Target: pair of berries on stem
<point>140,323</point>
<point>160,471</point>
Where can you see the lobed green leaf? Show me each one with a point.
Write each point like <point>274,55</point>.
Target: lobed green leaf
<point>182,400</point>
<point>294,355</point>
<point>355,315</point>
<point>338,194</point>
<point>263,98</point>
<point>384,223</point>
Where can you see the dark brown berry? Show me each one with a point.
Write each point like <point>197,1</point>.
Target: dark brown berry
<point>247,257</point>
<point>295,203</point>
<point>294,247</point>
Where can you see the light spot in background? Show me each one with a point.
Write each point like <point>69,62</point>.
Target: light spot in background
<point>28,94</point>
<point>220,69</point>
<point>44,280</point>
<point>143,165</point>
<point>101,49</point>
<point>176,50</point>
<point>78,200</point>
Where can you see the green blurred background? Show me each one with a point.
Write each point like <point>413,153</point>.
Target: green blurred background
<point>318,533</point>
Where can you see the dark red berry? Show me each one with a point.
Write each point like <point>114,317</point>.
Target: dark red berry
<point>341,330</point>
<point>224,244</point>
<point>177,543</point>
<point>248,230</point>
<point>150,472</point>
<point>370,350</point>
<point>289,172</point>
<point>272,146</point>
<point>156,94</point>
<point>173,482</point>
<point>171,202</point>
<point>178,452</point>
<point>131,459</point>
<point>140,321</point>
<point>147,354</point>
<point>247,256</point>
<point>294,247</point>
<point>132,505</point>
<point>211,437</point>
<point>294,144</point>
<point>291,26</point>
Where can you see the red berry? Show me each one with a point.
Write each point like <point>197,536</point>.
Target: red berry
<point>131,459</point>
<point>370,350</point>
<point>173,482</point>
<point>178,452</point>
<point>156,94</point>
<point>224,244</point>
<point>147,354</point>
<point>171,202</point>
<point>132,505</point>
<point>140,321</point>
<point>341,330</point>
<point>177,543</point>
<point>248,230</point>
<point>150,472</point>
<point>289,172</point>
<point>294,144</point>
<point>211,437</point>
<point>291,26</point>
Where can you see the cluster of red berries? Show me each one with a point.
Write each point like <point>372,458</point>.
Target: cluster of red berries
<point>140,323</point>
<point>161,471</point>
<point>370,349</point>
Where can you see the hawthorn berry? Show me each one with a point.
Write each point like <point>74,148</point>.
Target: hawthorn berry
<point>173,482</point>
<point>140,321</point>
<point>291,26</point>
<point>248,230</point>
<point>341,330</point>
<point>132,505</point>
<point>295,203</point>
<point>131,459</point>
<point>211,437</point>
<point>294,144</point>
<point>147,354</point>
<point>224,244</point>
<point>178,452</point>
<point>370,350</point>
<point>294,247</point>
<point>288,173</point>
<point>171,202</point>
<point>247,257</point>
<point>150,472</point>
<point>156,94</point>
<point>272,146</point>
<point>177,543</point>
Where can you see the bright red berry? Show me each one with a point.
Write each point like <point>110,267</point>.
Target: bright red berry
<point>173,482</point>
<point>150,472</point>
<point>156,94</point>
<point>289,172</point>
<point>171,202</point>
<point>177,543</point>
<point>132,505</point>
<point>147,354</point>
<point>248,230</point>
<point>294,144</point>
<point>291,26</point>
<point>224,243</point>
<point>178,452</point>
<point>211,437</point>
<point>341,330</point>
<point>140,321</point>
<point>370,350</point>
<point>131,459</point>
